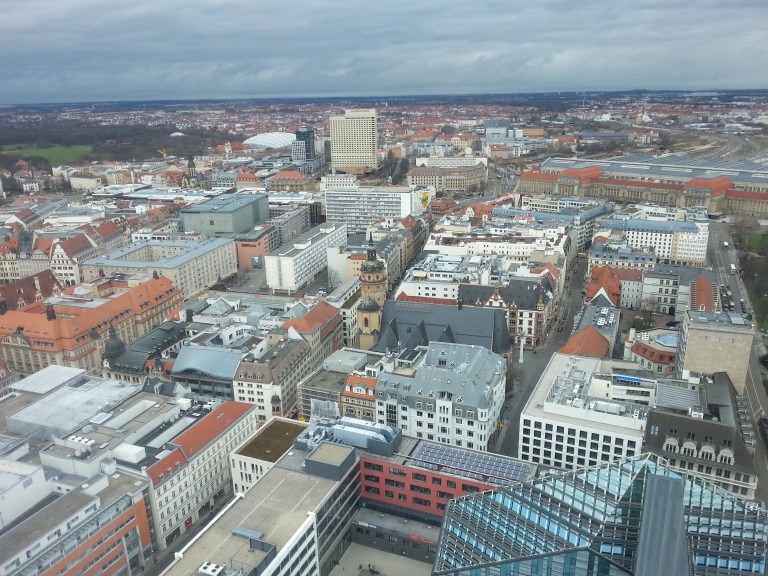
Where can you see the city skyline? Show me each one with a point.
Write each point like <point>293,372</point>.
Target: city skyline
<point>69,52</point>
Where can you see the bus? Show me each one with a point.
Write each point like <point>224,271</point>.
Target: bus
<point>733,269</point>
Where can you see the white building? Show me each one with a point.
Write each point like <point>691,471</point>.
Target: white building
<point>195,468</point>
<point>453,395</point>
<point>358,206</point>
<point>578,416</point>
<point>681,243</point>
<point>292,267</point>
<point>192,266</point>
<point>354,141</point>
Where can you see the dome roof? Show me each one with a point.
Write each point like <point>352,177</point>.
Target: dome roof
<point>271,140</point>
<point>372,266</point>
<point>113,346</point>
<point>275,399</point>
<point>369,305</point>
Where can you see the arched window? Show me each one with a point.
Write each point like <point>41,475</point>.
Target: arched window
<point>365,322</point>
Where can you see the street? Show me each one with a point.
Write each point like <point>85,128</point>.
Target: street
<point>534,361</point>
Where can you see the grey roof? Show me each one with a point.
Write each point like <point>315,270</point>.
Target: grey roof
<point>224,203</point>
<point>650,225</point>
<point>685,274</point>
<point>191,250</point>
<point>215,362</point>
<point>662,528</point>
<point>524,293</point>
<point>468,373</point>
<point>136,354</point>
<point>413,324</point>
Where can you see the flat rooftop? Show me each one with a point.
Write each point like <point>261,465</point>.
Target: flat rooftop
<point>186,250</point>
<point>717,320</point>
<point>563,393</point>
<point>226,203</point>
<point>304,241</point>
<point>292,496</point>
<point>272,441</point>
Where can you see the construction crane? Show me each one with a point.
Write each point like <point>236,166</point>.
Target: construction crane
<point>164,153</point>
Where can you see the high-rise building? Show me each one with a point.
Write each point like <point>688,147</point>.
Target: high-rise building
<point>354,148</point>
<point>306,136</point>
<point>633,517</point>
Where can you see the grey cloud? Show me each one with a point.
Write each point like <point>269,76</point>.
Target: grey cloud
<point>88,49</point>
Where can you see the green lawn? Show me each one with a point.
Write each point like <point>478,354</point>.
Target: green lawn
<point>54,154</point>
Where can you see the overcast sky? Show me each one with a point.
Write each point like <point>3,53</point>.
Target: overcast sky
<point>86,50</point>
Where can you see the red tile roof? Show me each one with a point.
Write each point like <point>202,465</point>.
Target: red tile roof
<point>587,342</point>
<point>354,380</point>
<point>320,314</point>
<point>26,289</point>
<point>426,299</point>
<point>702,297</point>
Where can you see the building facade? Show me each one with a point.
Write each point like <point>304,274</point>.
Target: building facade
<point>354,141</point>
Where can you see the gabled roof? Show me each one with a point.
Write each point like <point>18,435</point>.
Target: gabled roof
<point>587,342</point>
<point>26,289</point>
<point>320,314</point>
<point>76,246</point>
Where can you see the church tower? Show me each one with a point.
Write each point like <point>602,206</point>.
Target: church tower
<point>373,279</point>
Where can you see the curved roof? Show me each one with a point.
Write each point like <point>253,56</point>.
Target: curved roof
<point>271,140</point>
<point>214,362</point>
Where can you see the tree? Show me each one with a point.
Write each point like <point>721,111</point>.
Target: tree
<point>447,129</point>
<point>644,319</point>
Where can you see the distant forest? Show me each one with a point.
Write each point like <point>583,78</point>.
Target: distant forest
<point>119,142</point>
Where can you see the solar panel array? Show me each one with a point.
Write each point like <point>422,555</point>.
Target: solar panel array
<point>476,465</point>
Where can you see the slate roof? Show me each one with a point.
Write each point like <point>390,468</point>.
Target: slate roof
<point>413,324</point>
<point>26,289</point>
<point>525,294</point>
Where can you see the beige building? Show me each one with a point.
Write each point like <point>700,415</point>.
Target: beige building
<point>72,329</point>
<point>713,342</point>
<point>460,179</point>
<point>271,381</point>
<point>358,398</point>
<point>190,265</point>
<point>258,454</point>
<point>354,142</point>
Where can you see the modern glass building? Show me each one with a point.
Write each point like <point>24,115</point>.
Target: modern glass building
<point>634,516</point>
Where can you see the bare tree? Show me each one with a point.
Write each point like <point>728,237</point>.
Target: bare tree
<point>644,318</point>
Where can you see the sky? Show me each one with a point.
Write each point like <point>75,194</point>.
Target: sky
<point>97,50</point>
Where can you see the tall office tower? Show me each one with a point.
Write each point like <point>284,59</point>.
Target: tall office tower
<point>307,137</point>
<point>354,147</point>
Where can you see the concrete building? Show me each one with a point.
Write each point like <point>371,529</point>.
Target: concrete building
<point>346,297</point>
<point>359,206</point>
<point>71,329</point>
<point>715,342</point>
<point>675,289</point>
<point>453,396</point>
<point>354,142</point>
<point>226,215</point>
<point>292,267</point>
<point>570,422</point>
<point>190,265</point>
<point>289,221</point>
<point>258,454</point>
<point>653,350</point>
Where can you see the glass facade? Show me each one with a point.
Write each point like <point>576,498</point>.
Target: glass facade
<point>526,529</point>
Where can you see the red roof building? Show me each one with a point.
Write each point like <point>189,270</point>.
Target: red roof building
<point>587,342</point>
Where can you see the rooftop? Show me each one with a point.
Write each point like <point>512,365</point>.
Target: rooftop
<point>272,441</point>
<point>186,250</point>
<point>226,203</point>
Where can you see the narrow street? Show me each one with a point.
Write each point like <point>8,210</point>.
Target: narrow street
<point>534,362</point>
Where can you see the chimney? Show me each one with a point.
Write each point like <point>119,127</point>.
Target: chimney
<point>37,284</point>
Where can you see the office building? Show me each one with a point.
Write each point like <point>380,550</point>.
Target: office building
<point>354,142</point>
<point>451,181</point>
<point>676,243</point>
<point>291,267</point>
<point>226,215</point>
<point>72,329</point>
<point>192,266</point>
<point>569,422</point>
<point>634,517</point>
<point>304,145</point>
<point>715,342</point>
<point>359,206</point>
<point>289,221</point>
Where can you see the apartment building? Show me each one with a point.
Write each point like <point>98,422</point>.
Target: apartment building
<point>676,243</point>
<point>291,267</point>
<point>195,471</point>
